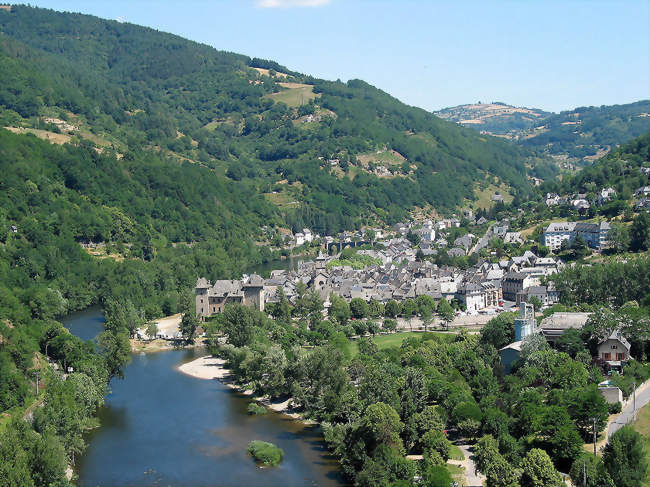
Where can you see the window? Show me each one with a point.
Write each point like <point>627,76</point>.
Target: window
<point>620,356</point>
<point>607,356</point>
<point>201,301</point>
<point>613,347</point>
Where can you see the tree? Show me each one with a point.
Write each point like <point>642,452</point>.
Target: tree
<point>358,308</point>
<point>499,331</point>
<point>619,237</point>
<point>409,309</point>
<point>389,324</point>
<point>382,426</point>
<point>590,471</point>
<point>152,330</point>
<point>282,309</point>
<point>339,309</point>
<point>116,349</point>
<point>579,247</point>
<point>238,324</point>
<point>538,471</point>
<point>536,302</point>
<point>640,232</point>
<point>446,312</point>
<point>585,405</point>
<point>437,476</point>
<point>414,238</point>
<point>189,320</point>
<point>624,458</point>
<point>570,342</point>
<point>392,309</point>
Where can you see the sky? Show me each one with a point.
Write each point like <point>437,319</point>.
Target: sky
<point>549,54</point>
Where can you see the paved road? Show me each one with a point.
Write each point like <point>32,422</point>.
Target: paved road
<point>627,415</point>
<point>483,241</point>
<point>472,477</point>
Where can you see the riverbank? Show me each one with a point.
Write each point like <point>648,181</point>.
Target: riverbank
<point>210,368</point>
<point>160,345</point>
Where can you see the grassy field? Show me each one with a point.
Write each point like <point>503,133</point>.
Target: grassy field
<point>642,425</point>
<point>395,340</point>
<point>282,200</point>
<point>485,196</point>
<point>386,158</point>
<point>297,94</point>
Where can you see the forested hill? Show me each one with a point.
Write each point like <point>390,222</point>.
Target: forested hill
<point>581,135</point>
<point>625,169</point>
<point>327,154</point>
<point>587,133</point>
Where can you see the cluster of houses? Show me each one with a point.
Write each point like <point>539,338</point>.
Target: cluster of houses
<point>580,201</point>
<point>398,276</point>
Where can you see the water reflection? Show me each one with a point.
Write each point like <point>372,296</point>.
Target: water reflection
<point>163,428</point>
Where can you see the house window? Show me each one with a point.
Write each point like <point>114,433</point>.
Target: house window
<point>607,356</point>
<point>214,309</point>
<point>201,310</point>
<point>613,347</point>
<point>620,356</point>
<point>201,301</point>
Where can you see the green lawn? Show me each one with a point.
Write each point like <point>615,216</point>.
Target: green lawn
<point>642,425</point>
<point>456,453</point>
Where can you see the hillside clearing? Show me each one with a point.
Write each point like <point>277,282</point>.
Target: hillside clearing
<point>296,94</point>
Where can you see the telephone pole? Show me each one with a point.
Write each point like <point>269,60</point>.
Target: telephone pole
<point>595,434</point>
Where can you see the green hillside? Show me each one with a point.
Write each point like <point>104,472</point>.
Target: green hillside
<point>587,133</point>
<point>135,88</point>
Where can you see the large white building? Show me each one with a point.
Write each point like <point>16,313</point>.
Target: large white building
<point>594,234</point>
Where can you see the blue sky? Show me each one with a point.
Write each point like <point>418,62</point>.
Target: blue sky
<point>554,55</point>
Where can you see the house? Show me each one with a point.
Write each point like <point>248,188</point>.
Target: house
<point>473,295</point>
<point>497,198</point>
<point>509,355</point>
<point>605,195</point>
<point>552,199</point>
<point>211,299</point>
<point>538,292</point>
<point>555,325</point>
<point>594,234</point>
<point>581,204</point>
<point>513,238</point>
<point>515,282</point>
<point>614,349</point>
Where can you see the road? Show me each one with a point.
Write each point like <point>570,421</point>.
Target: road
<point>483,241</point>
<point>627,415</point>
<point>472,477</point>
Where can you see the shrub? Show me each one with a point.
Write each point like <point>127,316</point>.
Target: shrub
<point>254,408</point>
<point>265,453</point>
<point>614,408</point>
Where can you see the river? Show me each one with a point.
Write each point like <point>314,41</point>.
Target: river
<point>160,427</point>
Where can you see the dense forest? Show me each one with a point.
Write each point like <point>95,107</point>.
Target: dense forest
<point>131,87</point>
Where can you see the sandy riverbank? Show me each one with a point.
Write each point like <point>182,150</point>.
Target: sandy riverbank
<point>210,368</point>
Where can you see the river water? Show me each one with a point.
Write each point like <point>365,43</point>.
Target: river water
<point>162,428</point>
